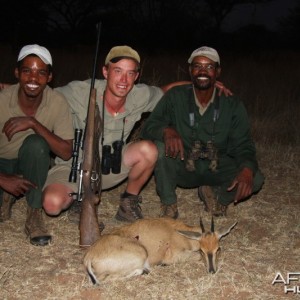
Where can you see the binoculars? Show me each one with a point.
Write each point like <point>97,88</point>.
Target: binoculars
<point>202,151</point>
<point>111,161</point>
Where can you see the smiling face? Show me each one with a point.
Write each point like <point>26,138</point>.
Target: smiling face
<point>120,77</point>
<point>204,72</point>
<point>33,75</point>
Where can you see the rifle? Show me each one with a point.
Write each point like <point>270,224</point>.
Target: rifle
<point>90,171</point>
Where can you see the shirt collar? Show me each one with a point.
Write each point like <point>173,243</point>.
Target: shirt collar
<point>14,105</point>
<point>202,109</point>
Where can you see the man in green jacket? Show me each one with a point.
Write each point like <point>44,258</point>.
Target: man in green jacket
<point>121,103</point>
<point>203,141</point>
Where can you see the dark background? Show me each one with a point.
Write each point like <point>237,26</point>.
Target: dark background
<point>164,32</point>
<point>152,25</point>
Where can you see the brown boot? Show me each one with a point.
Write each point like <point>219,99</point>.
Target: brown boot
<point>129,209</point>
<point>35,227</point>
<point>5,210</point>
<point>170,211</point>
<point>209,196</point>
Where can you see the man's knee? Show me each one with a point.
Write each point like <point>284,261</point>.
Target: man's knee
<point>56,198</point>
<point>140,153</point>
<point>34,145</point>
<point>149,151</point>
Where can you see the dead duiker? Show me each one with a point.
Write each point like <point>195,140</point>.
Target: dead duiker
<point>132,249</point>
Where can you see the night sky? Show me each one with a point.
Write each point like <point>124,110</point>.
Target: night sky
<point>265,14</point>
<point>247,25</point>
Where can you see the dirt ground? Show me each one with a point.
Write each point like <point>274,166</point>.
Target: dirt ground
<point>264,242</point>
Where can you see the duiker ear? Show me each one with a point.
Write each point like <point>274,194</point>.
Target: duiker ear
<point>222,232</point>
<point>190,234</point>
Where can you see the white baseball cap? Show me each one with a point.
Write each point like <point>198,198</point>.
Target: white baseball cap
<point>40,51</point>
<point>205,51</point>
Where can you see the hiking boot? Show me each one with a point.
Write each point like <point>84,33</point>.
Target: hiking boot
<point>5,210</point>
<point>209,196</point>
<point>35,227</point>
<point>129,209</point>
<point>170,211</point>
<point>74,212</point>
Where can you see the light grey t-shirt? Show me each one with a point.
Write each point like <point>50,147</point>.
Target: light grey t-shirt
<point>142,98</point>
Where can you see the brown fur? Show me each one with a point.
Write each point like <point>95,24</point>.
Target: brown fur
<point>145,243</point>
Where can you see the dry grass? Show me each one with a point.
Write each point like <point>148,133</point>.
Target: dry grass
<point>265,241</point>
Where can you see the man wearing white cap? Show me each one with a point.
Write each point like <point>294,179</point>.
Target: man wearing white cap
<point>35,123</point>
<point>203,141</point>
<point>123,102</point>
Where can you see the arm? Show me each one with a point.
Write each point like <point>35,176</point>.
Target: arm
<point>15,185</point>
<point>158,120</point>
<point>219,85</point>
<point>166,87</point>
<point>240,143</point>
<point>173,143</point>
<point>60,147</point>
<point>244,184</point>
<point>160,126</point>
<point>243,150</point>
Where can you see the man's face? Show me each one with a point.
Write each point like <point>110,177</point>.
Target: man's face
<point>204,72</point>
<point>121,76</point>
<point>33,75</point>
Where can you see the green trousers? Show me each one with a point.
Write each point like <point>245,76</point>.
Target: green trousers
<point>33,164</point>
<point>170,173</point>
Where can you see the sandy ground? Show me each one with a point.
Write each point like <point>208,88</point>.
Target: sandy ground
<point>265,242</point>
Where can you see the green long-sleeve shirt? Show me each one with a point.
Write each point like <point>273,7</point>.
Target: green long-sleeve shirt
<point>232,135</point>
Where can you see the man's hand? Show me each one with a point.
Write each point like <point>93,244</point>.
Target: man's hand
<point>17,124</point>
<point>173,143</point>
<point>15,185</point>
<point>244,184</point>
<point>222,89</point>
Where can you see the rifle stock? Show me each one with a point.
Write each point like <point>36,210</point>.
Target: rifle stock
<point>91,176</point>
